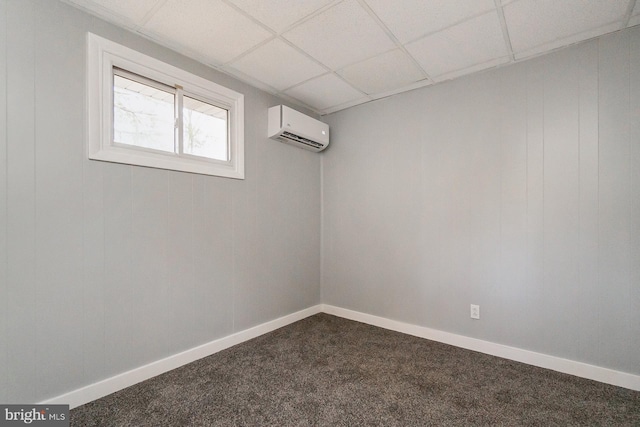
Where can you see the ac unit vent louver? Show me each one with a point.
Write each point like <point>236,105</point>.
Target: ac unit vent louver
<point>302,140</point>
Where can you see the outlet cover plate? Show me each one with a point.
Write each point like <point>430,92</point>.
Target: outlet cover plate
<point>475,311</point>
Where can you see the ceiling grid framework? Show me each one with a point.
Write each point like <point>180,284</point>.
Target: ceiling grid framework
<point>328,55</point>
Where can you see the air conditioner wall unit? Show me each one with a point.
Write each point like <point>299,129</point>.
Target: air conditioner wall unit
<point>292,127</point>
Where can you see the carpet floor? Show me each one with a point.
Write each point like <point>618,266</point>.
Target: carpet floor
<point>328,371</point>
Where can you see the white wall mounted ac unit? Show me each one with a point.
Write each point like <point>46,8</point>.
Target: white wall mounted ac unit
<point>292,127</point>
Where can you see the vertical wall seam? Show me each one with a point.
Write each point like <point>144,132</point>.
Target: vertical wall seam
<point>526,173</point>
<point>35,187</point>
<point>629,158</point>
<point>104,265</point>
<point>322,229</point>
<point>580,198</point>
<point>598,310</point>
<point>130,260</point>
<point>544,87</point>
<point>167,299</point>
<point>104,277</point>
<point>6,184</point>
<point>234,222</point>
<point>192,245</point>
<point>83,267</point>
<point>500,201</point>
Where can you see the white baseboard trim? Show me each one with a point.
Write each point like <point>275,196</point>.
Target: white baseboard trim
<point>107,386</point>
<point>579,369</point>
<point>118,382</point>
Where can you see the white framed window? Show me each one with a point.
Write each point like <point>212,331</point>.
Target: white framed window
<point>142,111</point>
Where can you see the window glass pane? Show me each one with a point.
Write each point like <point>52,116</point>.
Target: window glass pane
<point>143,115</point>
<point>204,129</point>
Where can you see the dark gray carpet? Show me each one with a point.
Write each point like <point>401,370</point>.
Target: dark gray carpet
<point>329,371</point>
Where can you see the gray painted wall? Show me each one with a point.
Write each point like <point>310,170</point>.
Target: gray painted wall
<point>517,189</point>
<point>106,267</point>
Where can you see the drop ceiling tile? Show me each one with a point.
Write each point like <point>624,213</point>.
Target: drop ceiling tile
<point>279,14</point>
<point>635,15</point>
<point>585,35</point>
<point>474,68</point>
<point>382,73</point>
<point>536,22</point>
<point>472,42</point>
<point>412,86</point>
<point>417,18</point>
<point>341,35</point>
<point>278,64</point>
<point>133,12</point>
<point>348,104</point>
<point>324,92</point>
<point>209,28</point>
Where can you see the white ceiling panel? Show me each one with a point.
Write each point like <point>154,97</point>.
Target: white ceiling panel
<point>411,19</point>
<point>348,104</point>
<point>342,35</point>
<point>472,69</point>
<point>533,23</point>
<point>278,65</point>
<point>547,47</point>
<point>131,11</point>
<point>210,28</point>
<point>412,86</point>
<point>635,15</point>
<point>473,42</point>
<point>332,54</point>
<point>382,73</point>
<point>279,14</point>
<point>324,92</point>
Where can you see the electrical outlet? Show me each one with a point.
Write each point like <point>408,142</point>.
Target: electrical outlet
<point>475,311</point>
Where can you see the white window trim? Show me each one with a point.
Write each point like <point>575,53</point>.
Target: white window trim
<point>102,56</point>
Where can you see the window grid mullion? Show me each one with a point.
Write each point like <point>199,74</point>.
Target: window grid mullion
<point>179,120</point>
